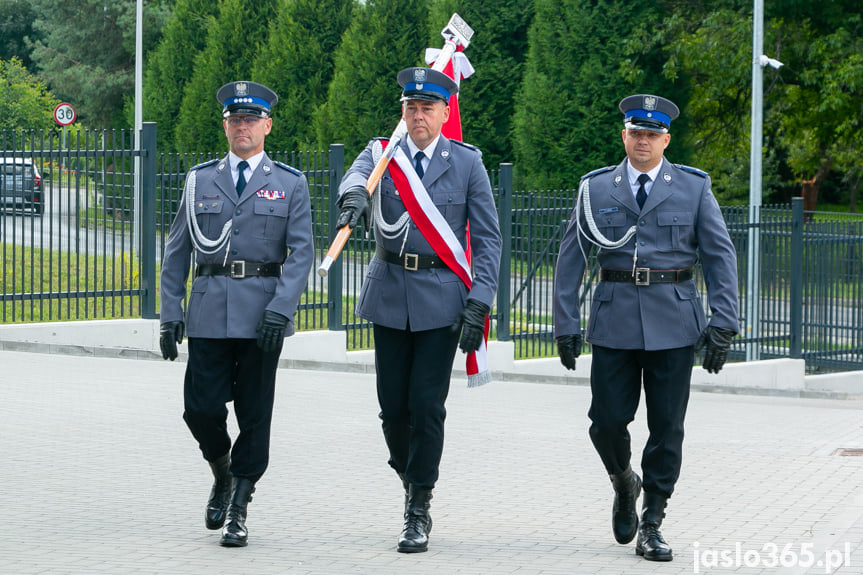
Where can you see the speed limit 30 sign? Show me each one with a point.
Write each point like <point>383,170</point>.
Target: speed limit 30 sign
<point>64,114</point>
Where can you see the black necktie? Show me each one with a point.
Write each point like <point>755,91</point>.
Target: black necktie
<point>418,164</point>
<point>241,179</point>
<point>641,195</point>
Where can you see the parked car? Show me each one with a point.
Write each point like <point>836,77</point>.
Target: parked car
<point>20,185</point>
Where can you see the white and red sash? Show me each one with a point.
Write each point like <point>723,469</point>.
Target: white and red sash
<point>437,232</point>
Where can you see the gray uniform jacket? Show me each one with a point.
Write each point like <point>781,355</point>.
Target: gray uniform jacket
<point>267,228</point>
<point>457,182</point>
<point>679,224</point>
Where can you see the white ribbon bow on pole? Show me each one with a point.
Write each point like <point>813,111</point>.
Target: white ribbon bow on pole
<point>462,68</point>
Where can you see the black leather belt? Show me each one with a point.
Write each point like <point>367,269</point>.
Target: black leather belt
<point>411,262</point>
<point>646,276</point>
<point>239,269</point>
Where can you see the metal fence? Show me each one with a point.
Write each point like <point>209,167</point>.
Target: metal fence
<point>76,258</point>
<point>93,252</point>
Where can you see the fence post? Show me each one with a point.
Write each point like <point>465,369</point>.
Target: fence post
<point>504,211</point>
<point>334,277</point>
<point>796,302</point>
<point>147,248</point>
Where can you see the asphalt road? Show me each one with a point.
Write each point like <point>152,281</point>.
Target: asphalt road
<point>60,227</point>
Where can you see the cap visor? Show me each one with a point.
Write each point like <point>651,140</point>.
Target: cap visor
<point>424,98</point>
<point>661,128</point>
<point>245,112</point>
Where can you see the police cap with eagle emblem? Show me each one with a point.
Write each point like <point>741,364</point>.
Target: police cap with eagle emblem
<point>246,99</point>
<point>426,84</point>
<point>648,112</point>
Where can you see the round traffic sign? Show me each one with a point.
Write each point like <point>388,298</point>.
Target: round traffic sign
<point>64,114</point>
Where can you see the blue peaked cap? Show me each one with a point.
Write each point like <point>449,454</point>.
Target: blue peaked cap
<point>648,112</point>
<point>246,98</point>
<point>426,84</point>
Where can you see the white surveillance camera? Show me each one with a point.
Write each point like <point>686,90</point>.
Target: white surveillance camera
<point>772,62</point>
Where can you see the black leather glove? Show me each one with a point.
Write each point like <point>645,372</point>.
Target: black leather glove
<point>271,330</point>
<point>716,341</point>
<point>354,205</point>
<point>471,322</point>
<point>569,348</point>
<point>170,334</point>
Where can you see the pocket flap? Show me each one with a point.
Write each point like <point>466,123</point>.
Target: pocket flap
<point>675,218</point>
<point>610,219</point>
<point>272,208</point>
<point>209,206</point>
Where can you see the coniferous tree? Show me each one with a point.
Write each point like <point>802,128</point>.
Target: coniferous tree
<point>384,37</point>
<point>567,121</point>
<point>87,53</point>
<point>297,62</point>
<point>497,52</point>
<point>16,26</point>
<point>234,36</point>
<point>170,66</point>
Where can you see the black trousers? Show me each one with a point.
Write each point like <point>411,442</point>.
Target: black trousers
<point>223,370</point>
<point>413,375</point>
<point>615,382</point>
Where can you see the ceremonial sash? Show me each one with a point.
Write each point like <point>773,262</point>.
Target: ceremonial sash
<point>437,232</point>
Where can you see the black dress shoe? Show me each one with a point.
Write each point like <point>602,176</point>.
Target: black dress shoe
<point>234,534</point>
<point>220,494</point>
<point>414,537</point>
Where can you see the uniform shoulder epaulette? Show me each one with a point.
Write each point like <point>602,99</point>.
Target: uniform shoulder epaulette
<point>599,171</point>
<point>204,164</point>
<point>465,145</point>
<point>291,169</point>
<point>692,170</point>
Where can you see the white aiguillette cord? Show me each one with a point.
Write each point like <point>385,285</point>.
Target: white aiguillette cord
<point>598,239</point>
<point>402,225</point>
<point>201,242</point>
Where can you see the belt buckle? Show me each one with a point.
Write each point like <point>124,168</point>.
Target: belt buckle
<point>642,276</point>
<point>416,261</point>
<point>238,265</point>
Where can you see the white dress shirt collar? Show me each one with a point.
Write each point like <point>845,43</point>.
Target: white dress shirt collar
<point>427,152</point>
<point>632,175</point>
<point>234,159</point>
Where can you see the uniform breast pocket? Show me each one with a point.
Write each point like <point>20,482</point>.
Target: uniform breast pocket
<point>209,216</point>
<point>453,205</point>
<point>611,225</point>
<point>275,218</point>
<point>674,230</point>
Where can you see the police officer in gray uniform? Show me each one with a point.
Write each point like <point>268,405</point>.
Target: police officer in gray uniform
<point>651,221</point>
<point>418,304</point>
<point>247,221</point>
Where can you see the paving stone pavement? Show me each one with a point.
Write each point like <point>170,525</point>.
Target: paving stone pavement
<point>100,476</point>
